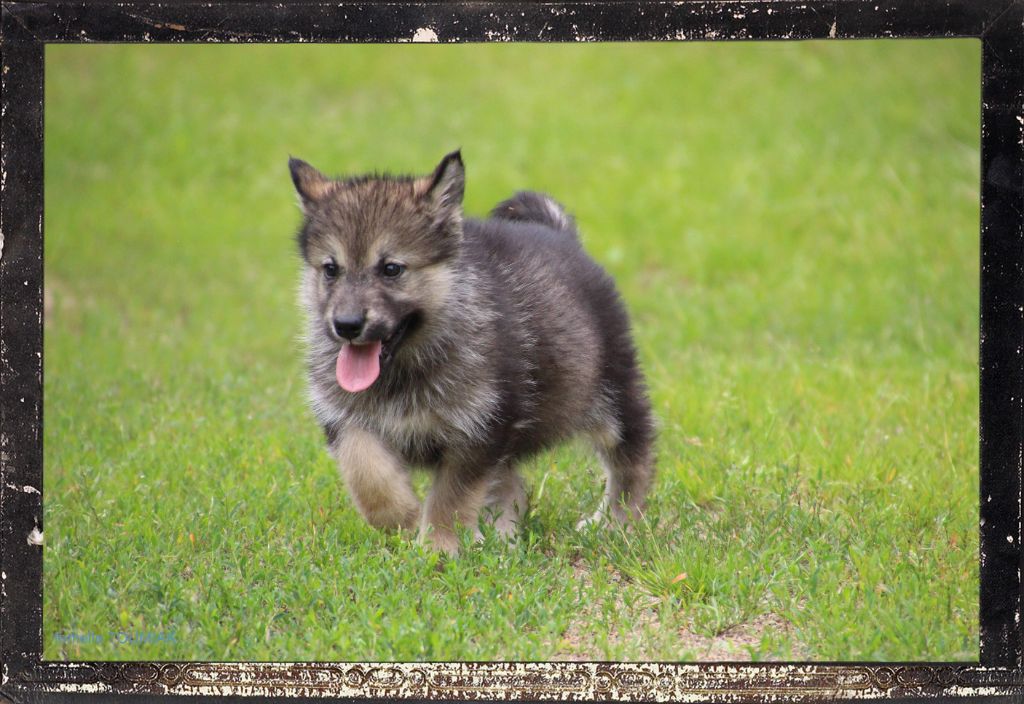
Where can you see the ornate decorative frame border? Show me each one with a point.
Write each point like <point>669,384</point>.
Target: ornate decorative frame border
<point>27,26</point>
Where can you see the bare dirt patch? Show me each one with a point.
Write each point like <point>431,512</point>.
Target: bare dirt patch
<point>733,643</point>
<point>642,616</point>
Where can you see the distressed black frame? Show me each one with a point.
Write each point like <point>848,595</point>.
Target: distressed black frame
<point>999,24</point>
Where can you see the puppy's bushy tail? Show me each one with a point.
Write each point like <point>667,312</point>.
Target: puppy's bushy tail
<point>530,206</point>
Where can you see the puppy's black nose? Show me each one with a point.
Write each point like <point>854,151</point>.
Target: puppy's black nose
<point>349,326</point>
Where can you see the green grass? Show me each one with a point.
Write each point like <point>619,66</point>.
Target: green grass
<point>793,225</point>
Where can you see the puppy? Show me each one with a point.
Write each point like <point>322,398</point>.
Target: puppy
<point>461,346</point>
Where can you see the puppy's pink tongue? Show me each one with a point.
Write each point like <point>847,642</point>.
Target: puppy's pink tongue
<point>358,366</point>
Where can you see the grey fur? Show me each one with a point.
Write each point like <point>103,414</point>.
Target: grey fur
<point>510,339</point>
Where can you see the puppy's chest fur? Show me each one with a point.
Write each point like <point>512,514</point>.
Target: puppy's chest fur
<point>419,436</point>
<point>422,427</point>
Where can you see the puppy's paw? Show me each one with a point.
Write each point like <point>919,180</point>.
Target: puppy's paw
<point>605,517</point>
<point>444,541</point>
<point>598,520</point>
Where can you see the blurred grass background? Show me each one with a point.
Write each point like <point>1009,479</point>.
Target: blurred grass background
<point>794,227</point>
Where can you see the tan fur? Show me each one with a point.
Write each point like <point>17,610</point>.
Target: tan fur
<point>452,502</point>
<point>436,286</point>
<point>420,186</point>
<point>377,481</point>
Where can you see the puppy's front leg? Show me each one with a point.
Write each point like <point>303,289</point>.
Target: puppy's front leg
<point>456,497</point>
<point>377,481</point>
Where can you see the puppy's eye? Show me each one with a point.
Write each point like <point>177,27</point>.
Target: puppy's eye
<point>330,269</point>
<point>391,270</point>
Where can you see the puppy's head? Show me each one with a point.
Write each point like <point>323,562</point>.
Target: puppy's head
<point>378,253</point>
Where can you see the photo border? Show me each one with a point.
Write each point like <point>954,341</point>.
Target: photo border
<point>999,24</point>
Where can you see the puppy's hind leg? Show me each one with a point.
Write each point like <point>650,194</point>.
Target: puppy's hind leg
<point>380,486</point>
<point>626,450</point>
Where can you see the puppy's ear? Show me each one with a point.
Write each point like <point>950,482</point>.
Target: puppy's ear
<point>445,187</point>
<point>310,184</point>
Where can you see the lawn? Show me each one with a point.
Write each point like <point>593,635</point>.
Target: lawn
<point>794,227</point>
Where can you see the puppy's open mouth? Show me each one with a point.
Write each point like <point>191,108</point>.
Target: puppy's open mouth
<point>359,364</point>
<point>391,344</point>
